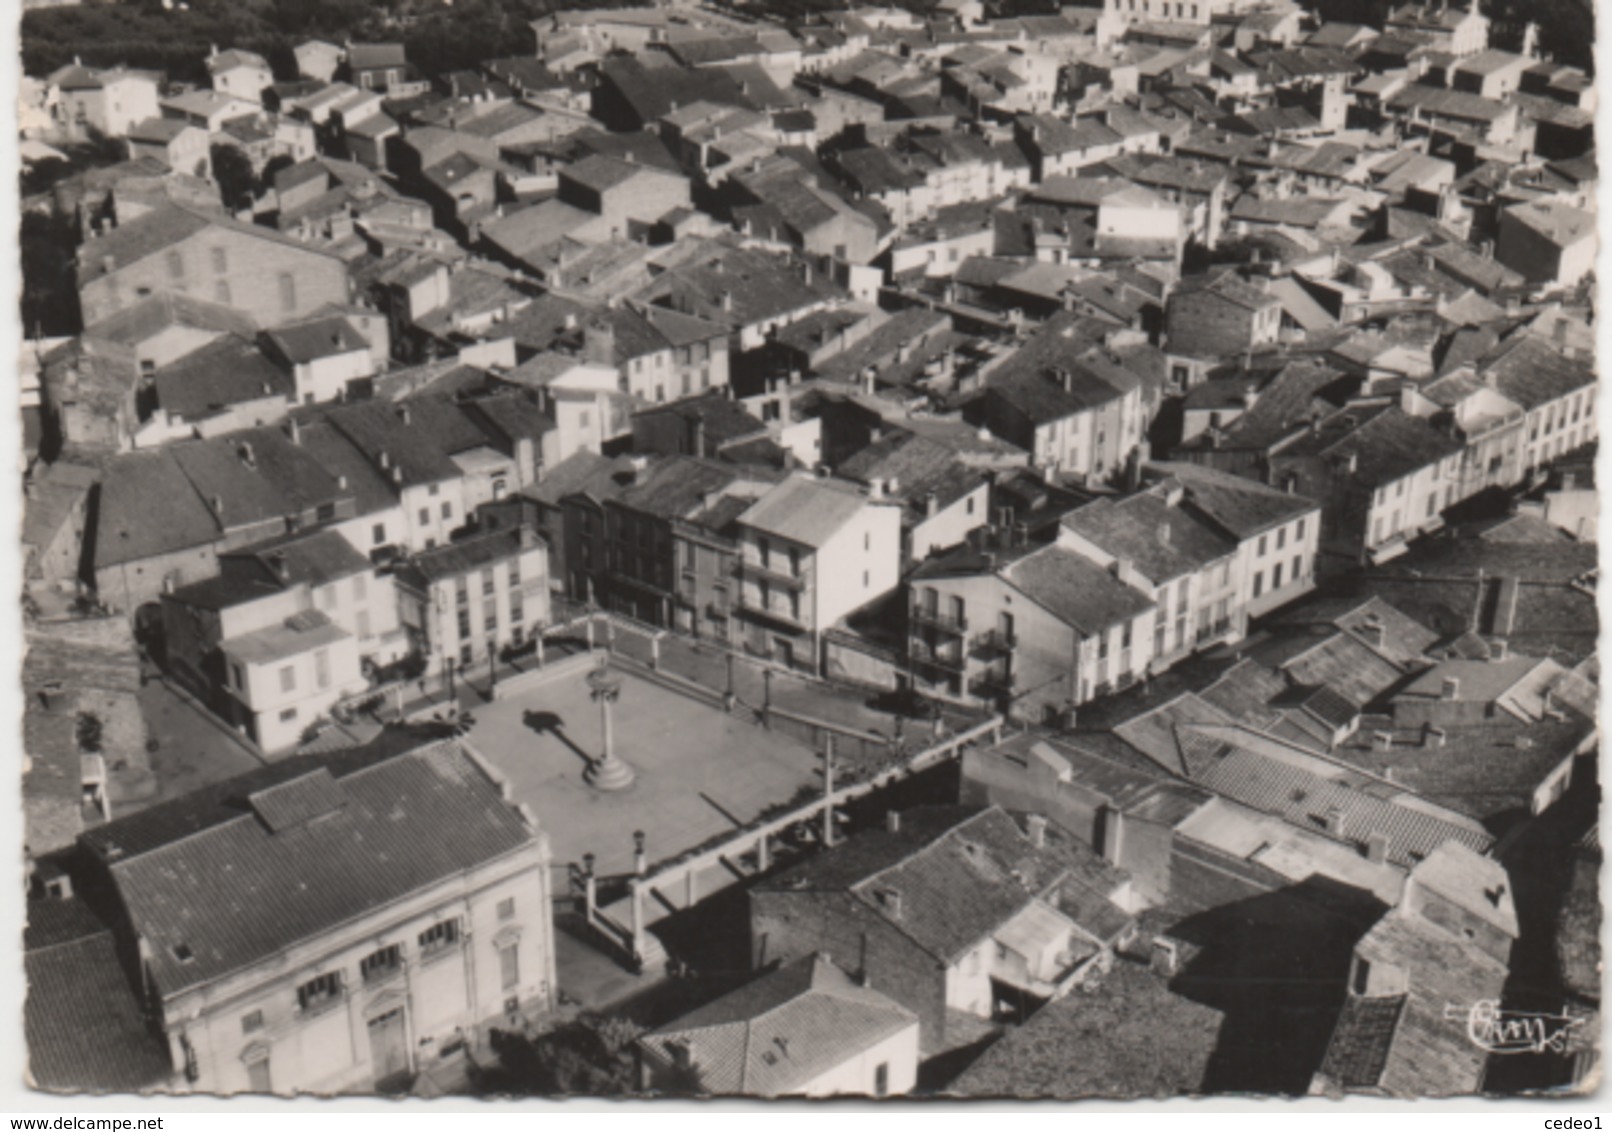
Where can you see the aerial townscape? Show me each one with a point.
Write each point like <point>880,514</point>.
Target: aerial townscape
<point>756,548</point>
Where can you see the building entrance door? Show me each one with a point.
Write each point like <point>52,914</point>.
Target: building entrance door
<point>388,1046</point>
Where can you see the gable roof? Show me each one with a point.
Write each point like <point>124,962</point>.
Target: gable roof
<point>806,509</point>
<point>774,1035</point>
<point>224,898</point>
<point>949,878</point>
<point>226,371</point>
<point>1238,505</point>
<point>303,342</point>
<point>1075,590</point>
<point>1161,541</point>
<point>85,1028</point>
<point>162,228</point>
<point>148,508</point>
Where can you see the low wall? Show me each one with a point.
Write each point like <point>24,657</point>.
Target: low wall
<point>524,682</point>
<point>857,662</point>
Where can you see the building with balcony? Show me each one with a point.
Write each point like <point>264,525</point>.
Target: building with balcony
<point>811,550</point>
<point>1030,631</point>
<point>307,927</point>
<point>1383,477</point>
<point>281,679</point>
<point>670,552</point>
<point>1157,545</point>
<point>282,633</point>
<point>1277,535</point>
<point>464,604</point>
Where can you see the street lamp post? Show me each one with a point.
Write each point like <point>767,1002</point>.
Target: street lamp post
<point>607,772</point>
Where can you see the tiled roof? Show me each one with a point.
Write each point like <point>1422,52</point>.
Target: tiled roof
<point>418,436</point>
<point>234,893</point>
<point>162,228</point>
<point>584,471</point>
<point>1361,1041</point>
<point>1241,506</point>
<point>652,92</point>
<point>1161,541</point>
<point>1129,1037</point>
<point>726,421</point>
<point>371,490</point>
<point>948,879</point>
<point>316,338</point>
<point>254,475</point>
<point>788,1027</point>
<point>1304,798</point>
<point>1160,734</point>
<point>1030,382</point>
<point>913,467</point>
<point>1429,1056</point>
<point>85,1028</point>
<point>226,371</point>
<point>1074,590</point>
<point>297,635</point>
<point>1532,372</point>
<point>148,508</point>
<point>456,559</point>
<point>1485,770</point>
<point>677,486</point>
<point>151,316</point>
<point>805,509</point>
<point>1385,444</point>
<point>1341,661</point>
<point>1246,691</point>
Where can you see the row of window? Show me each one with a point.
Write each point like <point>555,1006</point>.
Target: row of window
<point>385,961</point>
<point>425,514</point>
<point>517,618</point>
<point>176,262</point>
<point>1277,576</point>
<point>1281,537</point>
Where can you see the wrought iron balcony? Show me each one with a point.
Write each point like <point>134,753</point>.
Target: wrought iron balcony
<point>994,642</point>
<point>759,573</point>
<point>923,656</point>
<point>937,619</point>
<point>989,685</point>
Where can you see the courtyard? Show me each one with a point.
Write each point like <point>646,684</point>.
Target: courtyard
<point>699,772</point>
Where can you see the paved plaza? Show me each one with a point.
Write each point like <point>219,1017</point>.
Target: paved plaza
<point>699,771</point>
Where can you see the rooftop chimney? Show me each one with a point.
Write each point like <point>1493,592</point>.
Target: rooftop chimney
<point>1377,848</point>
<point>1332,821</point>
<point>1450,689</point>
<point>892,821</point>
<point>1037,828</point>
<point>1432,736</point>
